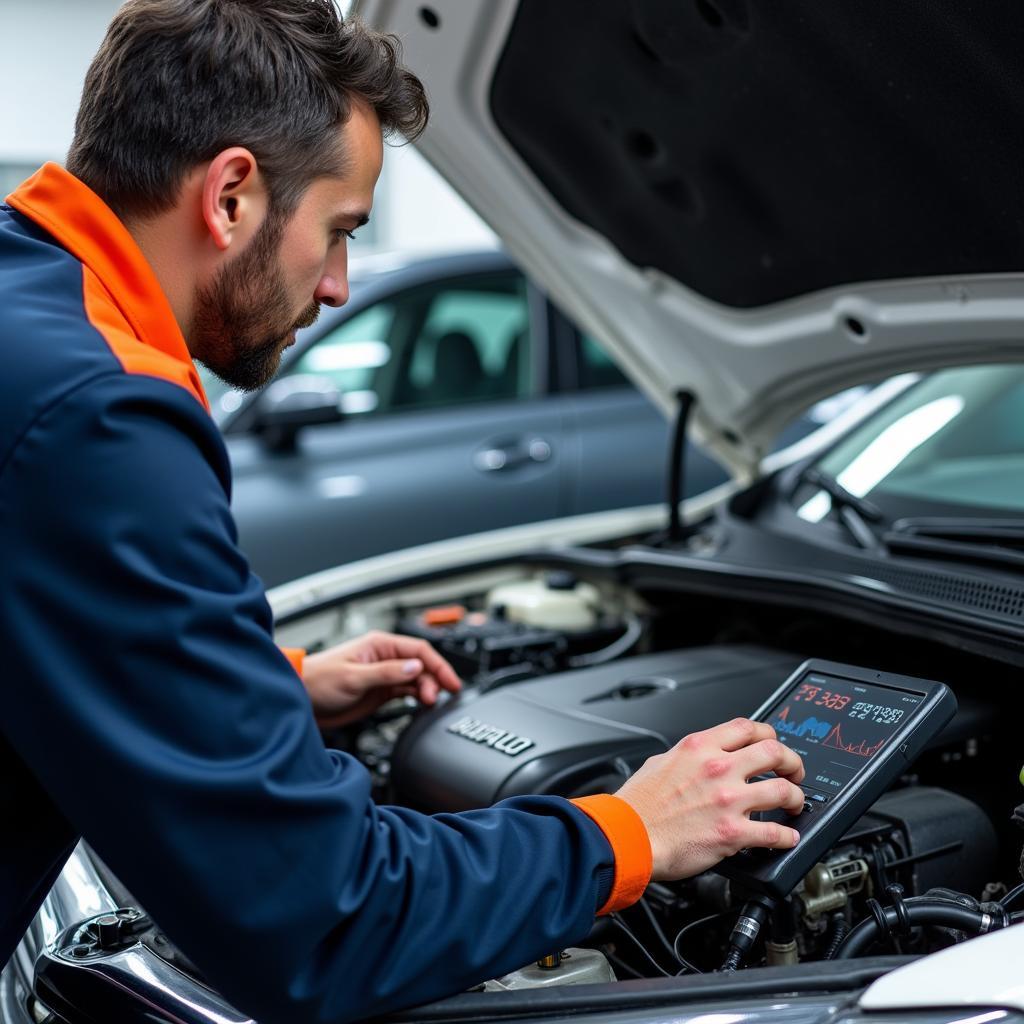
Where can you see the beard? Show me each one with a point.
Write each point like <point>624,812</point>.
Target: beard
<point>239,326</point>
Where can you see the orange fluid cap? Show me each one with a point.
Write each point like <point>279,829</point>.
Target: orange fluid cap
<point>449,615</point>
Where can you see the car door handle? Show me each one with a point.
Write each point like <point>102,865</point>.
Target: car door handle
<point>512,456</point>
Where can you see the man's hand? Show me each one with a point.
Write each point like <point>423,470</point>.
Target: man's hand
<point>348,682</point>
<point>695,799</point>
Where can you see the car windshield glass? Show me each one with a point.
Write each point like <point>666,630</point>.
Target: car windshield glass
<point>953,445</point>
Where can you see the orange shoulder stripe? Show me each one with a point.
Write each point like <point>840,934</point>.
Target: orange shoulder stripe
<point>123,298</point>
<point>134,355</point>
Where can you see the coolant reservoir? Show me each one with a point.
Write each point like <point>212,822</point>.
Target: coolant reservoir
<point>556,601</point>
<point>573,967</point>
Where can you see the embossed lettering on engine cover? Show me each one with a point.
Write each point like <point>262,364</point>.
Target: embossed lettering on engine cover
<point>490,735</point>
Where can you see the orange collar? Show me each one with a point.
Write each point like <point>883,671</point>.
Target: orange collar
<point>84,225</point>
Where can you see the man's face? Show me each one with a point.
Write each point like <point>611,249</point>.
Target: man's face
<point>246,317</point>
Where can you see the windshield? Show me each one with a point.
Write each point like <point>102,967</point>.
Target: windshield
<point>951,446</point>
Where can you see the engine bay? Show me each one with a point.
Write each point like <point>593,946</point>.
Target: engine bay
<point>579,664</point>
<point>573,678</point>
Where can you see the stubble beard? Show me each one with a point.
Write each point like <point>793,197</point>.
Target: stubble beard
<point>237,330</point>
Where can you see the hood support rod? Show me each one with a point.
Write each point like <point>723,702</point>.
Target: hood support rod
<point>677,466</point>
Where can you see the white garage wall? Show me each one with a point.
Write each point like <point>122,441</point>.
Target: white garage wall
<point>48,45</point>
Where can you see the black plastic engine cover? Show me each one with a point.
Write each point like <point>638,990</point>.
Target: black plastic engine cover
<point>577,732</point>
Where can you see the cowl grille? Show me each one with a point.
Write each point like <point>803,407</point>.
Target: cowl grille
<point>1003,600</point>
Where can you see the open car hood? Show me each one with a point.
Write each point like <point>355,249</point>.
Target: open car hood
<point>762,204</point>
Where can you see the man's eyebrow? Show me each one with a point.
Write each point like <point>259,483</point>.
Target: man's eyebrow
<point>361,217</point>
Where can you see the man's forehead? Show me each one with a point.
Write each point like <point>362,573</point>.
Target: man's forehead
<point>343,198</point>
<point>362,140</point>
<point>351,193</point>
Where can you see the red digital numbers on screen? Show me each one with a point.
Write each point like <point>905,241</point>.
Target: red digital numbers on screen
<point>821,698</point>
<point>834,701</point>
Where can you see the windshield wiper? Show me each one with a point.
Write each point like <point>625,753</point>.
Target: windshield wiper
<point>1000,541</point>
<point>853,512</point>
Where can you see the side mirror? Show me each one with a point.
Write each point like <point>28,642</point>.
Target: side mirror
<point>292,403</point>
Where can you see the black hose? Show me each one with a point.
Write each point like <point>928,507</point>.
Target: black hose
<point>677,466</point>
<point>744,933</point>
<point>839,928</point>
<point>918,912</point>
<point>1012,897</point>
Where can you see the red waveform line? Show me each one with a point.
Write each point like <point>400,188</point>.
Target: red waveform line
<point>784,714</point>
<point>835,739</point>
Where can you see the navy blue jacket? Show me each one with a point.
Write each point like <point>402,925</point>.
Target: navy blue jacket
<point>147,708</point>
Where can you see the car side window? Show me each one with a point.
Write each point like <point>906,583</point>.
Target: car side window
<point>473,344</point>
<point>597,369</point>
<point>354,357</point>
<point>455,341</point>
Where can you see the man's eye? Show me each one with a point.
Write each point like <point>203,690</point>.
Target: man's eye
<point>339,233</point>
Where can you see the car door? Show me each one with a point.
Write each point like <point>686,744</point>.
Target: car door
<point>621,438</point>
<point>448,431</point>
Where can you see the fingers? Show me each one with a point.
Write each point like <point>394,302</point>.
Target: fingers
<point>427,689</point>
<point>772,793</point>
<point>771,836</point>
<point>406,676</point>
<point>397,646</point>
<point>739,733</point>
<point>441,671</point>
<point>753,744</point>
<point>733,836</point>
<point>769,755</point>
<point>695,799</point>
<point>387,673</point>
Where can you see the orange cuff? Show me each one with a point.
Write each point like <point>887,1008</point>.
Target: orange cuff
<point>627,835</point>
<point>296,655</point>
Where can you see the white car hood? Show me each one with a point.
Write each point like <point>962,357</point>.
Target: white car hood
<point>751,364</point>
<point>987,971</point>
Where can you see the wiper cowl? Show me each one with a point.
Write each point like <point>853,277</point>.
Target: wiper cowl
<point>996,541</point>
<point>853,512</point>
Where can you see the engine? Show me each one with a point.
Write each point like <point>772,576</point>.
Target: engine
<point>577,732</point>
<point>557,704</point>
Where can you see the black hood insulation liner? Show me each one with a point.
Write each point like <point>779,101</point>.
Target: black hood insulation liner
<point>760,151</point>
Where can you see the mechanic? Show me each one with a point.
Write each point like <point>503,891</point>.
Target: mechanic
<point>224,151</point>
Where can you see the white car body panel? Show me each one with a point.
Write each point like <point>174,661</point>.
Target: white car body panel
<point>987,971</point>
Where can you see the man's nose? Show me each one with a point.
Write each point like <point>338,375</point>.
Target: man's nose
<point>332,290</point>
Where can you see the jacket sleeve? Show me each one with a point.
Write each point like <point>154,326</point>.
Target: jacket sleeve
<point>149,698</point>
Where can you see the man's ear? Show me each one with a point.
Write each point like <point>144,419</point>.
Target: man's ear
<point>234,197</point>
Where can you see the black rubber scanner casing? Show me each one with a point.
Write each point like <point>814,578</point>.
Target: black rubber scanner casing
<point>777,872</point>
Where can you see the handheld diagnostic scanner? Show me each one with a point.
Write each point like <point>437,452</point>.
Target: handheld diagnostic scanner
<point>857,730</point>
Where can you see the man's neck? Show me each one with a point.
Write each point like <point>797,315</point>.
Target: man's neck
<point>170,251</point>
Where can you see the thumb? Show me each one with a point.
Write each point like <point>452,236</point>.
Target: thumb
<point>387,673</point>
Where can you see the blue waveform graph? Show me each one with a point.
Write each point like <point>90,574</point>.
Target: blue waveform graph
<point>813,727</point>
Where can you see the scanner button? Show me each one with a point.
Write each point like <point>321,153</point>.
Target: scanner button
<point>808,807</point>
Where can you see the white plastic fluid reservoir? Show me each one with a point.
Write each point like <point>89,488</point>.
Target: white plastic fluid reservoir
<point>575,967</point>
<point>555,601</point>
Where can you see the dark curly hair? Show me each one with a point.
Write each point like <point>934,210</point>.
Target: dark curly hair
<point>177,81</point>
